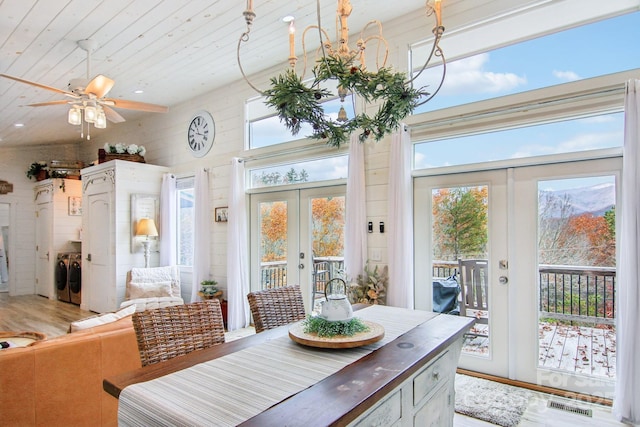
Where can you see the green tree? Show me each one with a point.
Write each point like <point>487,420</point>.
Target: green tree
<point>460,222</point>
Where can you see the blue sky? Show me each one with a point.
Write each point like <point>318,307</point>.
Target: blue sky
<point>596,49</point>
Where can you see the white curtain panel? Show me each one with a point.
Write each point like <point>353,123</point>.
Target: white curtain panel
<point>626,405</point>
<point>202,233</point>
<point>237,251</point>
<point>168,220</point>
<point>355,240</point>
<point>400,222</point>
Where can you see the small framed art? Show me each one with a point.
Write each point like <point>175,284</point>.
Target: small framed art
<point>222,214</point>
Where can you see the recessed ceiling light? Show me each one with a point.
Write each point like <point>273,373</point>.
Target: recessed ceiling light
<point>19,125</point>
<point>288,19</point>
<point>138,91</point>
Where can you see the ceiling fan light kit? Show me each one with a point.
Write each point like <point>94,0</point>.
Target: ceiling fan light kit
<point>88,102</point>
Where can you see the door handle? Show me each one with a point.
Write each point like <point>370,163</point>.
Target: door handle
<point>503,280</point>
<point>301,266</point>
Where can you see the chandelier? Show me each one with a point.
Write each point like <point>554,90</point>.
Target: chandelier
<point>298,102</point>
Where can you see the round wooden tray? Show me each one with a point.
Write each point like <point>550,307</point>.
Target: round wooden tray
<point>21,339</point>
<point>375,333</point>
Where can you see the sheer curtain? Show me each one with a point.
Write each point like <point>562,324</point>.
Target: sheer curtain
<point>237,251</point>
<point>400,223</point>
<point>168,220</point>
<point>626,405</point>
<point>202,233</point>
<point>355,241</point>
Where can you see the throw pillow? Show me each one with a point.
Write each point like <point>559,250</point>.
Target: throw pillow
<point>101,320</point>
<point>149,290</point>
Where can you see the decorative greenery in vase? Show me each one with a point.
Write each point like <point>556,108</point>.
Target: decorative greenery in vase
<point>36,168</point>
<point>370,288</point>
<point>209,288</point>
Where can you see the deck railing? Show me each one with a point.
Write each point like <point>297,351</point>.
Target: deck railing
<point>568,293</point>
<point>584,294</point>
<point>273,274</point>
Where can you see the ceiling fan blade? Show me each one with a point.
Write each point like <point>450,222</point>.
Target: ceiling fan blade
<point>135,105</point>
<point>41,86</point>
<point>44,104</point>
<point>112,115</point>
<point>99,86</point>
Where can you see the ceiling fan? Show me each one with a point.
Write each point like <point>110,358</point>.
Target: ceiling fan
<point>90,96</point>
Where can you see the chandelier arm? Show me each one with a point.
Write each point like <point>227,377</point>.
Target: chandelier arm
<point>379,38</point>
<point>245,37</point>
<point>444,73</point>
<point>324,54</point>
<point>434,48</point>
<point>304,49</point>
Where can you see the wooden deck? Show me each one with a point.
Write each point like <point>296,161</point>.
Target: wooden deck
<point>582,350</point>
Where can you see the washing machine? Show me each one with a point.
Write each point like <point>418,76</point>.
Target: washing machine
<point>75,277</point>
<point>62,275</point>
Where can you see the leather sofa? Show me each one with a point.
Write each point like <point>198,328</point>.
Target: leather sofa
<point>58,382</point>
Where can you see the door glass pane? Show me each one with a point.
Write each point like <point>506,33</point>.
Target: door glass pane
<point>327,231</point>
<point>577,275</point>
<point>273,244</point>
<point>460,259</point>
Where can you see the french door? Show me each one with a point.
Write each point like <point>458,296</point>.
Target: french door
<point>294,231</point>
<point>546,235</point>
<point>444,205</point>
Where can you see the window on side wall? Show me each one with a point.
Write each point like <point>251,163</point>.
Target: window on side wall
<point>185,220</point>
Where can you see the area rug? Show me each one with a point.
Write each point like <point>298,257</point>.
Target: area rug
<point>490,401</point>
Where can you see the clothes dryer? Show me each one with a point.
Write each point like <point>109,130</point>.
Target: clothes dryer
<point>75,277</point>
<point>61,277</point>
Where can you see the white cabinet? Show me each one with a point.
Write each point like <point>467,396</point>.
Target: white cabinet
<point>55,228</point>
<point>426,399</point>
<point>106,221</point>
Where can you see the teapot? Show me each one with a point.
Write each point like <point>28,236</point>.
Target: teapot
<point>337,306</point>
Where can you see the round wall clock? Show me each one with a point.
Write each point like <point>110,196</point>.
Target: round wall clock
<point>201,133</point>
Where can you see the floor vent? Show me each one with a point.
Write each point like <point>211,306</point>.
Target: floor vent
<point>570,408</point>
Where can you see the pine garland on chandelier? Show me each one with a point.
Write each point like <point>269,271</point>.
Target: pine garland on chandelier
<point>296,103</point>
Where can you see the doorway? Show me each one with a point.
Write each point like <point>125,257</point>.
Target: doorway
<point>550,283</point>
<point>297,237</point>
<point>5,219</point>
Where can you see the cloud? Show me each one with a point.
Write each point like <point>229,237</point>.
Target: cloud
<point>566,76</point>
<point>582,142</point>
<point>469,76</point>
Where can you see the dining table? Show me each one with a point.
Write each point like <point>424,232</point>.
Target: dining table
<point>270,379</point>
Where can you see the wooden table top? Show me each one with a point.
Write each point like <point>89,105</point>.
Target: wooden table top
<point>410,351</point>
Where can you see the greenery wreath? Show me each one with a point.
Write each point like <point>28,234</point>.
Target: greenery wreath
<point>296,103</point>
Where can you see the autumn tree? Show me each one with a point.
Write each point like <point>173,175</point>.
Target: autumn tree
<point>328,226</point>
<point>273,245</point>
<point>567,238</point>
<point>460,222</point>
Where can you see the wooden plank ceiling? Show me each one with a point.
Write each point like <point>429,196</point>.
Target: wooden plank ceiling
<point>172,50</point>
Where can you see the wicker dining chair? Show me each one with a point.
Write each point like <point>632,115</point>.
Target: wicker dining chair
<point>275,307</point>
<point>167,332</point>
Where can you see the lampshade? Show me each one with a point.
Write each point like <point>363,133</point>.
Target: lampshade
<point>90,114</point>
<point>146,227</point>
<point>75,116</point>
<point>101,120</point>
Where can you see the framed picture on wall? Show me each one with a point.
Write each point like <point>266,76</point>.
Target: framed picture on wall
<point>75,206</point>
<point>222,214</point>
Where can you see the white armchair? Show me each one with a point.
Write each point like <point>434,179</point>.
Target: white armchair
<point>154,287</point>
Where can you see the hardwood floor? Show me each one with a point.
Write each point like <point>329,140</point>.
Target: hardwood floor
<point>34,313</point>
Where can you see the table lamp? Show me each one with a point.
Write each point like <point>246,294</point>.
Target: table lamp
<point>147,228</point>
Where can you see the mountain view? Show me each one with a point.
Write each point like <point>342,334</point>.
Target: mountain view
<point>595,200</point>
